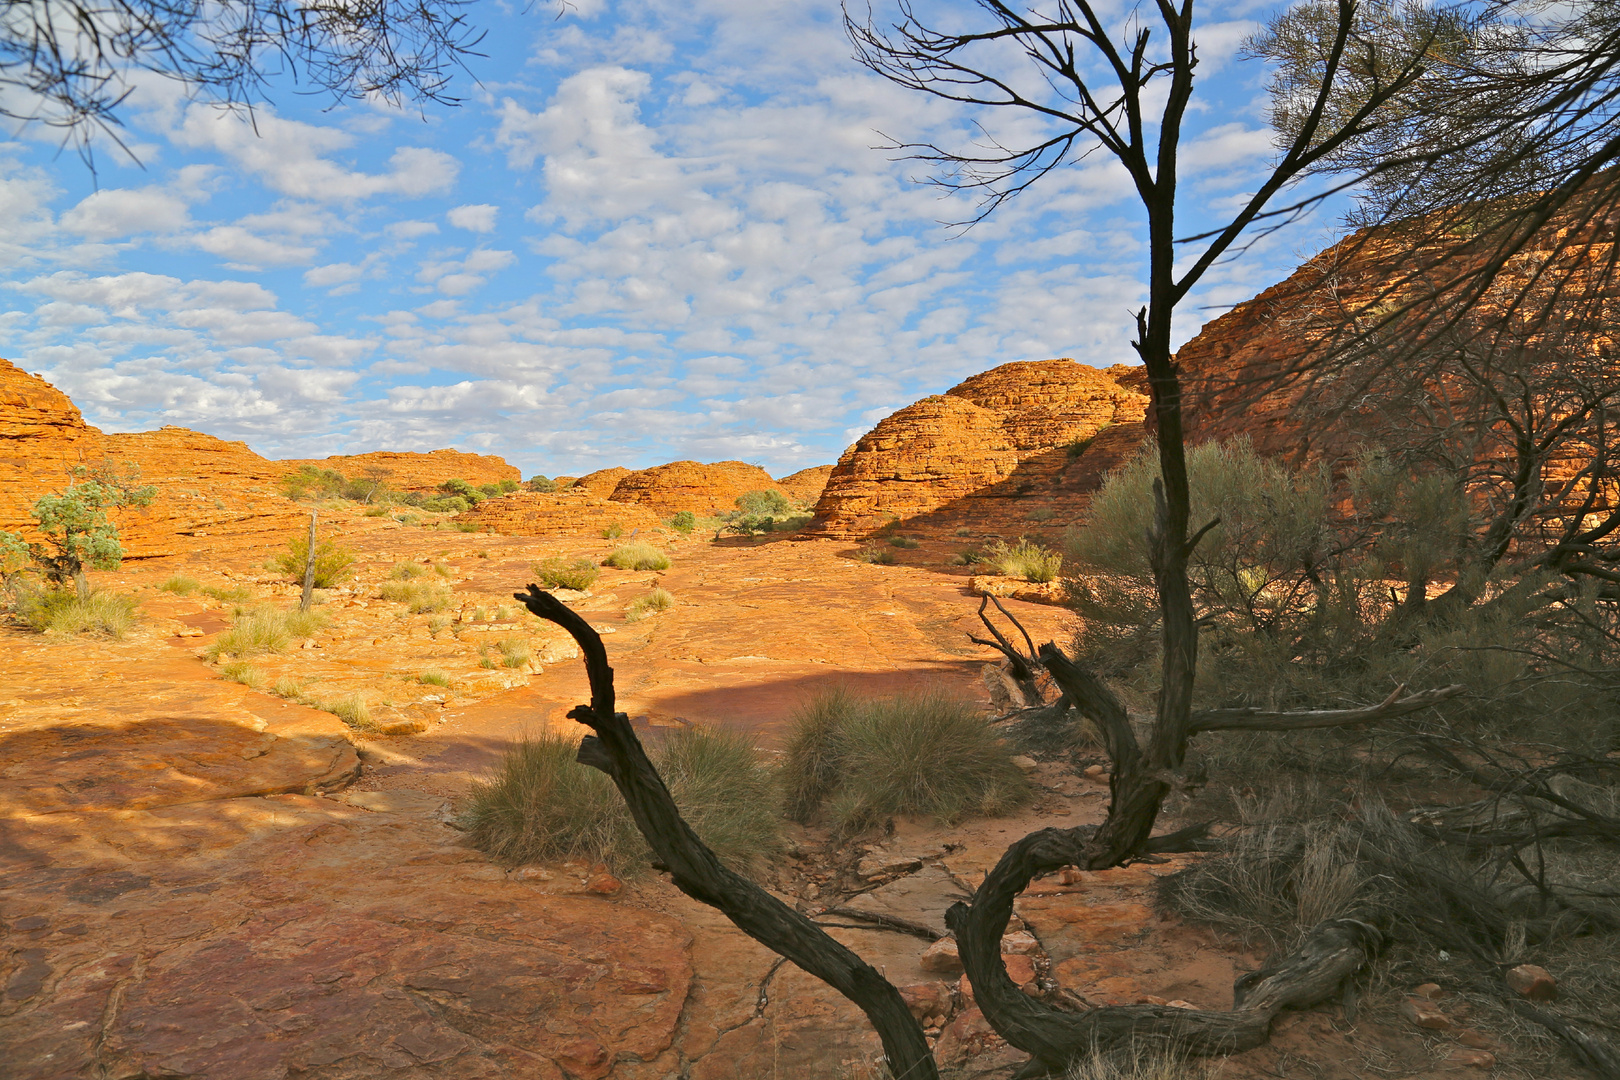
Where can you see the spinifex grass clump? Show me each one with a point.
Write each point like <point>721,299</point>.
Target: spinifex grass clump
<point>62,611</point>
<point>181,584</point>
<point>925,754</point>
<point>643,606</point>
<point>420,597</point>
<point>265,630</point>
<point>559,573</point>
<point>1025,559</point>
<point>637,557</point>
<point>543,804</point>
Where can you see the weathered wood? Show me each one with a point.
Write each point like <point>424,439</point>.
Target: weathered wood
<point>698,873</point>
<point>1252,719</point>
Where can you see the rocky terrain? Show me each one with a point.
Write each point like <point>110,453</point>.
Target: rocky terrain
<point>217,877</point>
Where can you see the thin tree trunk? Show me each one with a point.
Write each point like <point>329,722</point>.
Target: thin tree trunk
<point>309,568</point>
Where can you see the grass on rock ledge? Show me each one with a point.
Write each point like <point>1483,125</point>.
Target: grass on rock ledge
<point>637,557</point>
<point>542,804</point>
<point>60,611</point>
<point>265,630</point>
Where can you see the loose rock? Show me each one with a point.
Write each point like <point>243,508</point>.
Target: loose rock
<point>1533,982</point>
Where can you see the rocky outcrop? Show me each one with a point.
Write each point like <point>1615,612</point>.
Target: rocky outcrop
<point>806,485</point>
<point>602,482</point>
<point>42,437</point>
<point>414,471</point>
<point>1003,445</point>
<point>571,512</point>
<point>691,485</point>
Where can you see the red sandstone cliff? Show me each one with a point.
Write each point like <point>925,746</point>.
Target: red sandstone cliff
<point>691,485</point>
<point>415,471</point>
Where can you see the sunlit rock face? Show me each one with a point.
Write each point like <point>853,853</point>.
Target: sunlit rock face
<point>690,485</point>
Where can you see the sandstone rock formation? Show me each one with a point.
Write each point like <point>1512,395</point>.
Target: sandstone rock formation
<point>691,485</point>
<point>42,437</point>
<point>988,452</point>
<point>806,485</point>
<point>574,511</point>
<point>415,471</point>
<point>602,481</point>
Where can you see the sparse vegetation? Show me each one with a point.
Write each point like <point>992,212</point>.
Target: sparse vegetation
<point>405,571</point>
<point>559,573</point>
<point>927,754</point>
<point>352,710</point>
<point>878,556</point>
<point>420,597</point>
<point>514,652</point>
<point>234,594</point>
<point>543,804</point>
<point>103,613</point>
<point>332,561</point>
<point>243,672</point>
<point>684,521</point>
<point>637,557</point>
<point>433,677</point>
<point>180,584</point>
<point>967,557</point>
<point>643,606</point>
<point>265,630</point>
<point>612,531</point>
<point>436,624</point>
<point>1025,559</point>
<point>905,543</point>
<point>288,686</point>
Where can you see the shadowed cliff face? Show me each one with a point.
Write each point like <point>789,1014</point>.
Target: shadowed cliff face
<point>987,452</point>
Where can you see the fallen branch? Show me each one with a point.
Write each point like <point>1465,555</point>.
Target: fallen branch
<point>1255,719</point>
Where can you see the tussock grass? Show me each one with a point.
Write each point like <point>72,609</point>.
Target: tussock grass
<point>352,710</point>
<point>435,624</point>
<point>558,573</point>
<point>265,630</point>
<point>288,687</point>
<point>420,597</point>
<point>904,542</point>
<point>60,611</point>
<point>514,652</point>
<point>1025,559</point>
<point>243,672</point>
<point>643,606</point>
<point>927,754</point>
<point>181,585</point>
<point>405,571</point>
<point>1152,1061</point>
<point>235,594</point>
<point>875,555</point>
<point>542,804</point>
<point>637,557</point>
<point>434,677</point>
<point>612,531</point>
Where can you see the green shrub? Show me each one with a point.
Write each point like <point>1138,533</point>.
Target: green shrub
<point>421,597</point>
<point>514,652</point>
<point>181,585</point>
<point>265,630</point>
<point>542,484</point>
<point>409,519</point>
<point>876,555</point>
<point>542,804</point>
<point>924,754</point>
<point>1025,559</point>
<point>765,511</point>
<point>907,543</point>
<point>243,672</point>
<point>308,480</point>
<point>446,504</point>
<point>637,557</point>
<point>655,601</point>
<point>684,521</point>
<point>332,562</point>
<point>63,611</point>
<point>558,573</point>
<point>433,677</point>
<point>612,531</point>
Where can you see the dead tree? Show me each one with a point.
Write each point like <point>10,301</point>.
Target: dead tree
<point>1053,1036</point>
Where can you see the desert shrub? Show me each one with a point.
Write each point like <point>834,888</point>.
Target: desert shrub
<point>469,527</point>
<point>559,573</point>
<point>637,557</point>
<point>409,519</point>
<point>684,521</point>
<point>180,584</point>
<point>421,597</point>
<point>433,677</point>
<point>102,613</point>
<point>352,710</point>
<point>514,652</point>
<point>542,804</point>
<point>332,561</point>
<point>309,481</point>
<point>612,530</point>
<point>765,511</point>
<point>542,484</point>
<point>655,601</point>
<point>265,630</point>
<point>871,553</point>
<point>926,754</point>
<point>377,511</point>
<point>243,672</point>
<point>904,542</point>
<point>1025,559</point>
<point>446,504</point>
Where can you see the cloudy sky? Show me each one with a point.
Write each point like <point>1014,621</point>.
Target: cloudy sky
<point>653,230</point>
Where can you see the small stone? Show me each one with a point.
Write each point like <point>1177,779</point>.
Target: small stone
<point>1071,875</point>
<point>928,1000</point>
<point>1025,762</point>
<point>604,884</point>
<point>1535,983</point>
<point>533,873</point>
<point>1020,943</point>
<point>1430,990</point>
<point>941,957</point>
<point>1096,772</point>
<point>880,863</point>
<point>1464,1058</point>
<point>1425,1014</point>
<point>1177,1003</point>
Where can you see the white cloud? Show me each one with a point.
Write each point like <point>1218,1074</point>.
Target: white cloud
<point>478,217</point>
<point>119,212</point>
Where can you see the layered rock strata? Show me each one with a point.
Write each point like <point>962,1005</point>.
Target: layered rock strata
<point>571,512</point>
<point>691,485</point>
<point>806,485</point>
<point>415,471</point>
<point>602,481</point>
<point>1026,438</point>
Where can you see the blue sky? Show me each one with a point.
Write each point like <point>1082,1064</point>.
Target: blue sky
<point>652,231</point>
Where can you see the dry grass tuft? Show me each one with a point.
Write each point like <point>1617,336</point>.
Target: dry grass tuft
<point>637,557</point>
<point>60,611</point>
